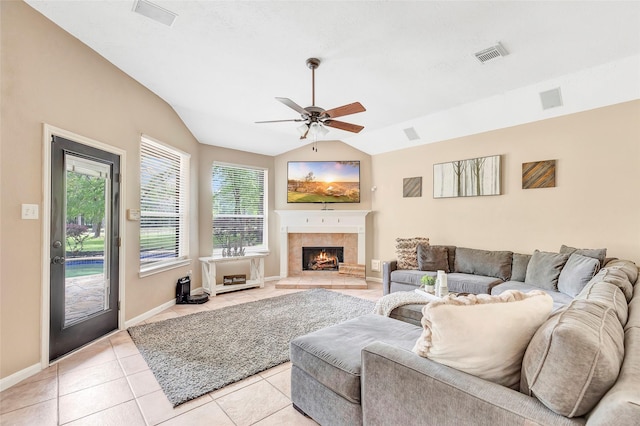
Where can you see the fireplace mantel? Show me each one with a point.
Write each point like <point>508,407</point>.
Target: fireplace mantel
<point>320,221</point>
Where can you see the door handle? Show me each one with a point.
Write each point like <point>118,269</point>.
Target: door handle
<point>58,260</point>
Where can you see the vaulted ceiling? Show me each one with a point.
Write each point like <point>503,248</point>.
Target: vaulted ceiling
<point>410,63</point>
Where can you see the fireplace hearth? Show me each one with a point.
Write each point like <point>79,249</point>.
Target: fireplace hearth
<point>322,258</point>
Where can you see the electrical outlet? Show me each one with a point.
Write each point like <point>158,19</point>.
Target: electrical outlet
<point>375,265</point>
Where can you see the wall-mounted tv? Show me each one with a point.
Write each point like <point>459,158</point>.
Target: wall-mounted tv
<point>323,182</point>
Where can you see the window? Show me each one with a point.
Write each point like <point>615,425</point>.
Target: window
<point>239,206</point>
<point>164,202</point>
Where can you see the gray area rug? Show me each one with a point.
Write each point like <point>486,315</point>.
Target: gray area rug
<point>199,353</point>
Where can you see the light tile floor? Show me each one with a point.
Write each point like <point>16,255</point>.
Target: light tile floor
<point>109,383</point>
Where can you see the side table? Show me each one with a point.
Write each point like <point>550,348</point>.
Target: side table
<point>256,278</point>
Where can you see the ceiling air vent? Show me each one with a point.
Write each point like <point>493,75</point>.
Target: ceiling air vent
<point>155,12</point>
<point>551,98</point>
<point>491,53</point>
<point>411,133</point>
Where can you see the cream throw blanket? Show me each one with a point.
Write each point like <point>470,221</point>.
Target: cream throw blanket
<point>388,303</point>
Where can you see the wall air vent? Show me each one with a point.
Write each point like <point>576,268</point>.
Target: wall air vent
<point>494,52</point>
<point>155,12</point>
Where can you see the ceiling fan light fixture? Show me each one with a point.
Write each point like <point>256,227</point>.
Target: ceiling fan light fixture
<point>303,129</point>
<point>314,129</point>
<point>323,131</point>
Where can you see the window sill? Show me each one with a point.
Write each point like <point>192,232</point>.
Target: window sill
<point>156,269</point>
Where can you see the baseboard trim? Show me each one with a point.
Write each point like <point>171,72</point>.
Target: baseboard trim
<point>374,279</point>
<point>19,376</point>
<point>149,314</point>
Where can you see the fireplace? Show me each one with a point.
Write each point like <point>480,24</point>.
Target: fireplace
<point>322,258</point>
<point>320,228</point>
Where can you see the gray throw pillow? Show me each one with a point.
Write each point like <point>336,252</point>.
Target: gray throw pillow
<point>433,258</point>
<point>599,254</point>
<point>544,269</point>
<point>519,266</point>
<point>574,358</point>
<point>577,273</point>
<point>484,262</point>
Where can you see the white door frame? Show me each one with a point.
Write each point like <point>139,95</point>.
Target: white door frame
<point>48,132</point>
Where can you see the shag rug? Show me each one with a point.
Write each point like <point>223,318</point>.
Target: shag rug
<point>198,353</point>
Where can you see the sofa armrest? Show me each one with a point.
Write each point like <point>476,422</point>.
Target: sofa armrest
<point>387,268</point>
<point>399,387</point>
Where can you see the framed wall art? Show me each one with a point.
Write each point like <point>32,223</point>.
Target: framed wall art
<point>412,187</point>
<point>539,174</point>
<point>467,178</point>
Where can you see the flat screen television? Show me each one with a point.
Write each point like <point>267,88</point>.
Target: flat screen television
<point>323,182</point>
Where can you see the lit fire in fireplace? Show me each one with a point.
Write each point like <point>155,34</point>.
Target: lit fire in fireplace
<point>324,261</point>
<point>321,259</point>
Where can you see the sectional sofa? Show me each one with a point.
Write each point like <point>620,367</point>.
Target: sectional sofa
<point>582,365</point>
<point>476,271</point>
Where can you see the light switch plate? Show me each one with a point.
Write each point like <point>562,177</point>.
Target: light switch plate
<point>30,211</point>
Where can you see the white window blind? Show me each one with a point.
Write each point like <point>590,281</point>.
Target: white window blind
<point>164,184</point>
<point>239,206</point>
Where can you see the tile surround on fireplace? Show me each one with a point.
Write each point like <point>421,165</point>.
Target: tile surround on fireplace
<point>297,240</point>
<point>344,228</point>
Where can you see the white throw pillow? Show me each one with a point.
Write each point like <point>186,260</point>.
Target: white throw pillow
<point>483,335</point>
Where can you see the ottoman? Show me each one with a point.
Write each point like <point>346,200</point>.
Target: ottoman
<point>326,365</point>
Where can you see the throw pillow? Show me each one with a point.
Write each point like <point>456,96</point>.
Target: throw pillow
<point>544,269</point>
<point>406,251</point>
<point>481,334</point>
<point>574,358</point>
<point>484,262</point>
<point>577,273</point>
<point>519,266</point>
<point>599,254</point>
<point>433,258</point>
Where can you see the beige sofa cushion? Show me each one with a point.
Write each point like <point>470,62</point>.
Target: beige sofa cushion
<point>481,334</point>
<point>574,358</point>
<point>406,251</point>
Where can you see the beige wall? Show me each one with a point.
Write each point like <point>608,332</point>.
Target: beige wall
<point>595,203</point>
<point>50,77</point>
<point>207,155</point>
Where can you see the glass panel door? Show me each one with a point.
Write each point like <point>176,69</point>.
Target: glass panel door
<point>87,234</point>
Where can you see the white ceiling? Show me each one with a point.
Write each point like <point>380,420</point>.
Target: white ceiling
<point>410,63</point>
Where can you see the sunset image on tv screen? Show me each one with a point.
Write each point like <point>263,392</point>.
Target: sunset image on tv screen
<point>323,182</point>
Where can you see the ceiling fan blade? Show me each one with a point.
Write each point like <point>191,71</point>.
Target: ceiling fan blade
<point>278,121</point>
<point>345,110</point>
<point>343,126</point>
<point>294,106</point>
<point>305,134</point>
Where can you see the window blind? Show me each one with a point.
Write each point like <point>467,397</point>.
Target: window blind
<point>164,183</point>
<point>239,205</point>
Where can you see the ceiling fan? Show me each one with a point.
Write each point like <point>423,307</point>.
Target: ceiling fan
<point>315,118</point>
